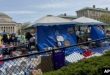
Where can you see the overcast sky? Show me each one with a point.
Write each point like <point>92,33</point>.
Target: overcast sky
<point>31,10</point>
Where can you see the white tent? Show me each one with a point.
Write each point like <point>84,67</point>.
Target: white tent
<point>88,21</point>
<point>50,20</point>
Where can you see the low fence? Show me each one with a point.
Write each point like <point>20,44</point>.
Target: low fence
<point>37,63</point>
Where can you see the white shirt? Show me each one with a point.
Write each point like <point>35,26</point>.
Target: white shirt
<point>32,39</point>
<point>77,33</point>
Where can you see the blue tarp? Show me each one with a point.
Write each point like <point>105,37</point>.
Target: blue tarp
<point>96,33</point>
<point>46,35</point>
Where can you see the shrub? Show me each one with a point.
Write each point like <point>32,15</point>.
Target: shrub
<point>91,66</point>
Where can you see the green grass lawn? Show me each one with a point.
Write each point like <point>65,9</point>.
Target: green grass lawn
<point>91,66</point>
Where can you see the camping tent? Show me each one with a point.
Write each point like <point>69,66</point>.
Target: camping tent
<point>87,21</point>
<point>49,20</point>
<point>95,32</point>
<point>49,27</point>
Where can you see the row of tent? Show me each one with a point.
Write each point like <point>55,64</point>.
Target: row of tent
<point>51,20</point>
<point>47,28</point>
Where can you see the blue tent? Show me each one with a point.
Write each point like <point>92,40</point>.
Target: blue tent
<point>46,32</point>
<point>46,35</point>
<point>96,33</point>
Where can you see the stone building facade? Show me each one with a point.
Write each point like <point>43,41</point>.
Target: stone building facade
<point>7,24</point>
<point>93,12</point>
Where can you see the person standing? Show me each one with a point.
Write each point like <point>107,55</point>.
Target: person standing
<point>5,39</point>
<point>13,39</point>
<point>28,36</point>
<point>32,41</point>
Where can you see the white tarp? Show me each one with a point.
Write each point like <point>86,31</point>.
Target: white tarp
<point>51,19</point>
<point>74,57</point>
<point>87,20</point>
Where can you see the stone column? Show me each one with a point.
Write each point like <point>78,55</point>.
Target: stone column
<point>2,28</point>
<point>10,29</point>
<point>5,29</point>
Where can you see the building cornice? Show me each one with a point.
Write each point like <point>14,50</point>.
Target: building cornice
<point>8,23</point>
<point>96,9</point>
